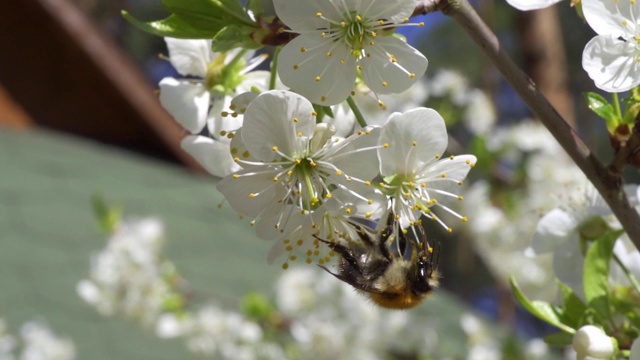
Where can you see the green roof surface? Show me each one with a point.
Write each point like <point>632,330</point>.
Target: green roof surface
<point>48,231</point>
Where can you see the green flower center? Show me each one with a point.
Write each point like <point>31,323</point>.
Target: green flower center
<point>223,78</point>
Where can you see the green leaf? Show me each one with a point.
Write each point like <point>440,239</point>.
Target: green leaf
<point>596,273</point>
<point>234,36</point>
<point>173,26</point>
<point>603,108</point>
<point>205,13</point>
<point>573,307</point>
<point>559,339</point>
<point>540,309</point>
<point>108,216</point>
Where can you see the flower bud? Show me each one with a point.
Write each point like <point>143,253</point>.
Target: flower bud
<point>590,342</point>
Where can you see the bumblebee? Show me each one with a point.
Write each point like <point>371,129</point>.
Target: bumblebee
<point>395,273</point>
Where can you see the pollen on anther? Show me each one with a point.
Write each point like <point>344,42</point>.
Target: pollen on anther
<point>367,214</point>
<point>299,134</point>
<point>421,24</point>
<point>449,230</point>
<point>275,179</point>
<point>348,210</point>
<point>460,197</point>
<point>367,183</point>
<point>437,156</point>
<point>369,201</point>
<point>252,222</point>
<point>317,78</point>
<point>412,75</point>
<point>343,24</point>
<point>339,172</point>
<point>319,14</point>
<point>329,53</point>
<point>236,159</point>
<point>314,113</point>
<point>384,83</point>
<point>385,145</point>
<point>368,131</point>
<point>414,143</point>
<point>295,120</point>
<point>465,219</point>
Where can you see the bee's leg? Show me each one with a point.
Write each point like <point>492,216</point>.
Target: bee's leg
<point>342,250</point>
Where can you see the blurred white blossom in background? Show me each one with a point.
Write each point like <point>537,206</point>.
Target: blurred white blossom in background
<point>34,342</point>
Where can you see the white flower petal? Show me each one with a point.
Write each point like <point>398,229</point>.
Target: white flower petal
<point>190,57</point>
<point>384,76</point>
<point>554,229</point>
<point>186,101</point>
<point>614,18</point>
<point>361,164</point>
<point>526,5</point>
<point>213,155</point>
<point>568,263</point>
<point>612,63</point>
<point>269,121</point>
<point>249,192</point>
<point>424,126</point>
<point>446,174</point>
<point>393,11</point>
<point>301,16</point>
<point>323,79</point>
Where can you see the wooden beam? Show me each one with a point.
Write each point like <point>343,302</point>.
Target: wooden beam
<point>69,76</point>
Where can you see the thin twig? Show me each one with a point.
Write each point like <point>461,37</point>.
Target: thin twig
<point>608,185</point>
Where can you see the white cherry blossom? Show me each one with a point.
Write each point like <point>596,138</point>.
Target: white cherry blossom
<point>290,165</point>
<point>411,163</point>
<point>201,99</point>
<point>612,58</point>
<point>338,39</point>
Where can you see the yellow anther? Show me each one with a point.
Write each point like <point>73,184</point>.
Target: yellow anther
<point>414,143</point>
<point>367,214</point>
<point>358,18</point>
<point>369,201</point>
<point>312,163</point>
<point>339,172</point>
<point>384,83</point>
<point>246,154</point>
<point>303,49</point>
<point>235,176</point>
<point>319,14</point>
<point>309,261</point>
<point>385,145</point>
<point>368,183</point>
<point>314,113</point>
<point>234,151</point>
<point>275,148</point>
<point>465,219</point>
<point>224,114</point>
<point>317,78</point>
<point>252,195</point>
<point>323,34</point>
<point>343,24</point>
<point>437,156</point>
<point>252,222</point>
<point>374,34</point>
<point>293,258</point>
<point>295,120</point>
<point>329,53</point>
<point>296,67</point>
<point>449,230</point>
<point>371,43</point>
<point>285,266</point>
<point>421,24</point>
<point>236,159</point>
<point>412,75</point>
<point>323,98</point>
<point>460,198</point>
<point>299,134</point>
<point>328,196</point>
<point>348,210</point>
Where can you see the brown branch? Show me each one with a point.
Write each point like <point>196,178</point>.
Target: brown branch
<point>607,184</point>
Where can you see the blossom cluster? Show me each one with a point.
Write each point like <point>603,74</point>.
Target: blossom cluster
<point>313,316</point>
<point>296,153</point>
<point>611,57</point>
<point>35,341</point>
